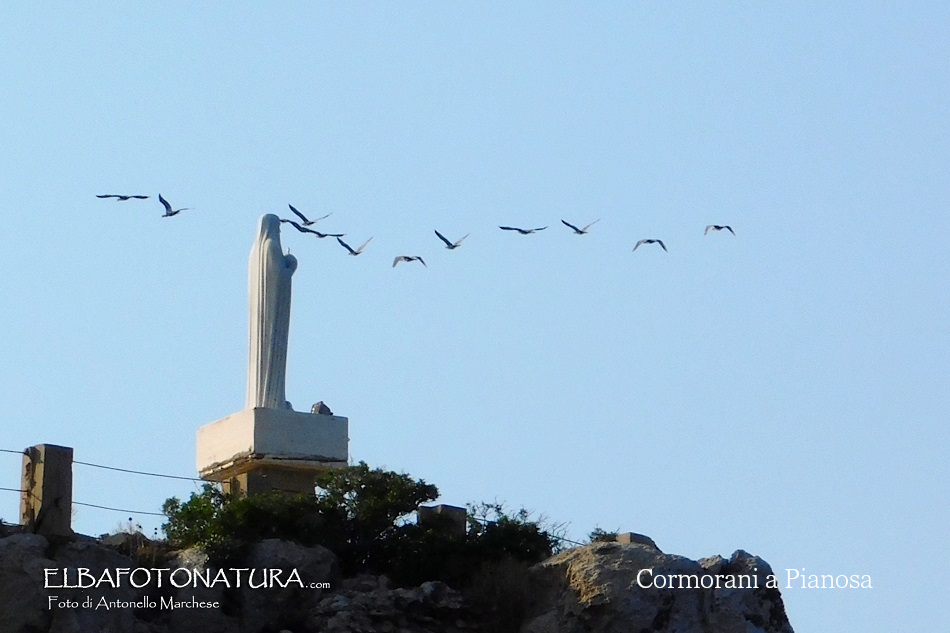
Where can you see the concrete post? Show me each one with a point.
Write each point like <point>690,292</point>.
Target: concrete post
<point>452,519</point>
<point>46,506</point>
<point>632,537</point>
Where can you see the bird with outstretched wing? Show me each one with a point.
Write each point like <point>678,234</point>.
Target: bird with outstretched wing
<point>169,212</point>
<point>357,251</point>
<point>121,198</point>
<point>304,229</point>
<point>408,258</point>
<point>578,231</point>
<point>451,245</point>
<point>304,219</point>
<point>660,242</point>
<point>717,227</point>
<point>522,231</point>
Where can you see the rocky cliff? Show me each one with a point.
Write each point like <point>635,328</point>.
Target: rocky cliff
<point>635,588</point>
<point>84,585</point>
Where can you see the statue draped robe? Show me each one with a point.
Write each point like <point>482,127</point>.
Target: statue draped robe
<point>269,274</point>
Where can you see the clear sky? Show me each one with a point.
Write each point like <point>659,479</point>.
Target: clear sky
<point>785,390</point>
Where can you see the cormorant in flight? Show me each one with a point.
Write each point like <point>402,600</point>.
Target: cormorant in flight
<point>580,231</point>
<point>357,251</point>
<point>522,231</point>
<point>304,219</point>
<point>169,212</point>
<point>408,258</point>
<point>660,242</point>
<point>450,245</point>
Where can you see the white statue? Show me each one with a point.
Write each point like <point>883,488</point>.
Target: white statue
<point>269,276</point>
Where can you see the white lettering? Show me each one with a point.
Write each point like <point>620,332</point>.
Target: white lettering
<point>84,574</point>
<point>46,574</point>
<point>237,572</point>
<point>187,571</point>
<point>159,570</point>
<point>789,572</point>
<point>148,578</point>
<point>295,578</point>
<point>639,581</point>
<point>250,581</point>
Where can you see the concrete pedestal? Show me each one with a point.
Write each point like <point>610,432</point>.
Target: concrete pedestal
<point>260,449</point>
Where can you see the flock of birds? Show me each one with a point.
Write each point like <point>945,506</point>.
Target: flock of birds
<point>169,212</point>
<point>305,223</point>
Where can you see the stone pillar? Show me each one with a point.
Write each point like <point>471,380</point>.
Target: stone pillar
<point>47,505</point>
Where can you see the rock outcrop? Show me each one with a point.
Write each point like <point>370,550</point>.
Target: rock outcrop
<point>22,597</point>
<point>608,588</point>
<point>370,605</point>
<point>595,589</point>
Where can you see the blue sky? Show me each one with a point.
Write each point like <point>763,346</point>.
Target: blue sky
<point>783,391</point>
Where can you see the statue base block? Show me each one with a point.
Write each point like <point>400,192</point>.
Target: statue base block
<point>271,449</point>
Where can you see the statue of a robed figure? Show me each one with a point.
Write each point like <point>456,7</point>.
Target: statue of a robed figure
<point>267,445</point>
<point>269,276</point>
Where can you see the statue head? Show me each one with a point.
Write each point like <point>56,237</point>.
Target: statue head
<point>268,226</point>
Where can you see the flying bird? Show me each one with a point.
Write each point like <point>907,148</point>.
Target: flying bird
<point>408,258</point>
<point>660,242</point>
<point>304,229</point>
<point>522,231</point>
<point>716,227</point>
<point>168,208</point>
<point>580,231</point>
<point>357,251</point>
<point>323,235</point>
<point>121,198</point>
<point>450,245</point>
<point>304,219</point>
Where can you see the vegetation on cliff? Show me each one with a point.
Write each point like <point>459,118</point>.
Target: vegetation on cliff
<point>362,515</point>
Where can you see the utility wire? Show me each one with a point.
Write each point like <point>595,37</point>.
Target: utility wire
<point>123,470</point>
<point>138,472</point>
<point>92,505</point>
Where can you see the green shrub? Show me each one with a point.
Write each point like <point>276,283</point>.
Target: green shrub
<point>197,521</point>
<point>599,535</point>
<point>365,512</point>
<point>503,534</point>
<point>354,512</point>
<point>361,514</point>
